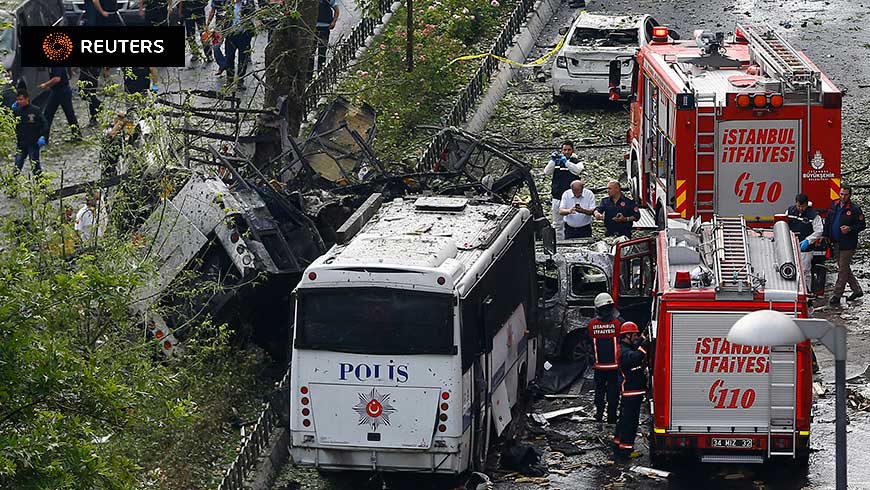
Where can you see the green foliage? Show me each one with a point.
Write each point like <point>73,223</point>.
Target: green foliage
<point>444,30</point>
<point>87,399</point>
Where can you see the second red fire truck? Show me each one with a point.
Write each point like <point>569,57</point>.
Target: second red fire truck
<point>713,400</point>
<point>734,127</point>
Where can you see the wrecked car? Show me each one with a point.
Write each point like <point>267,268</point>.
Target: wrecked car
<point>593,41</point>
<point>568,282</point>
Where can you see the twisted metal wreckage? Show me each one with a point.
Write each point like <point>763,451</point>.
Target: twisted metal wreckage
<point>252,224</point>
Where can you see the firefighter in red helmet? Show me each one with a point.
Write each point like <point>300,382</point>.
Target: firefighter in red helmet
<point>604,332</point>
<point>632,368</point>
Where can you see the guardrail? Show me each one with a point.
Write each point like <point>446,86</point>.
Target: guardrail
<point>275,413</point>
<point>342,55</point>
<point>465,102</point>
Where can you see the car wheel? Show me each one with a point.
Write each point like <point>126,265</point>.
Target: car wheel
<point>576,347</point>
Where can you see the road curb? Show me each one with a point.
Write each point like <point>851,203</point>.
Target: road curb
<point>523,44</point>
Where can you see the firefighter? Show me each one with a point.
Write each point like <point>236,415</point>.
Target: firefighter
<point>632,366</point>
<point>617,211</point>
<point>845,221</point>
<point>603,330</point>
<point>806,223</point>
<point>564,168</point>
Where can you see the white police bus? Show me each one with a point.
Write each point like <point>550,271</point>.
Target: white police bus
<point>414,337</point>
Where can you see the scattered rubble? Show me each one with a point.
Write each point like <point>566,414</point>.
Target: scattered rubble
<point>651,472</point>
<point>561,412</point>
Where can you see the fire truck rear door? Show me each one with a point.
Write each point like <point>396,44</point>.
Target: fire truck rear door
<point>633,275</point>
<point>759,167</point>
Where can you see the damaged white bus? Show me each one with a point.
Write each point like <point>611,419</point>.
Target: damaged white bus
<point>414,336</point>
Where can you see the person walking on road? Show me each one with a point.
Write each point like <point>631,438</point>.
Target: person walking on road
<point>29,132</point>
<point>140,79</point>
<point>564,167</point>
<point>604,330</point>
<point>89,79</point>
<point>806,223</point>
<point>218,12</point>
<point>327,16</point>
<point>632,368</point>
<point>617,211</point>
<point>240,33</point>
<point>576,207</point>
<point>193,13</point>
<point>61,95</point>
<point>845,221</point>
<point>104,13</point>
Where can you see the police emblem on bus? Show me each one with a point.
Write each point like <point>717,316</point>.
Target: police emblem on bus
<point>374,409</point>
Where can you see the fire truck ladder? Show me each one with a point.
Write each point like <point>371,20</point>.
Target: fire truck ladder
<point>732,254</point>
<point>706,112</point>
<point>775,55</point>
<point>782,389</point>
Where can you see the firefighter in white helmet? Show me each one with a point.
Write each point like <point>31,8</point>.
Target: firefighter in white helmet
<point>632,368</point>
<point>604,330</point>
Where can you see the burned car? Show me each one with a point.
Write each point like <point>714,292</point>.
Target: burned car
<point>568,282</point>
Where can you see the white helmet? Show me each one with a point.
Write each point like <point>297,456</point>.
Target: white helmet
<point>603,299</point>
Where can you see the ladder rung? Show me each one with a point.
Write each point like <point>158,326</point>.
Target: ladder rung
<point>781,454</point>
<point>781,362</point>
<point>782,385</point>
<point>706,172</point>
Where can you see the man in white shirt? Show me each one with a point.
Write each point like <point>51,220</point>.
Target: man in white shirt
<point>577,206</point>
<point>563,168</point>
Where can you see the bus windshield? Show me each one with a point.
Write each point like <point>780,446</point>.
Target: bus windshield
<point>375,321</point>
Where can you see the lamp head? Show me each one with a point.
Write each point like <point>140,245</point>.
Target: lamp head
<point>765,328</point>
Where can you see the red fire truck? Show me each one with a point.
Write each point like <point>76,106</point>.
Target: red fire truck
<point>730,127</point>
<point>713,400</point>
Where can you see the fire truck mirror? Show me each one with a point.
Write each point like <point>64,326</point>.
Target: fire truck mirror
<point>674,34</point>
<point>615,75</point>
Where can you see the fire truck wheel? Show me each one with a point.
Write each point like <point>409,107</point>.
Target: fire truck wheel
<point>576,346</point>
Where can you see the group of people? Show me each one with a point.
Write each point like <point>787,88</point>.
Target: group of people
<point>620,362</point>
<point>574,205</point>
<point>845,220</point>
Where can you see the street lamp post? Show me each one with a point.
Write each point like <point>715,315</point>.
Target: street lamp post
<point>771,328</point>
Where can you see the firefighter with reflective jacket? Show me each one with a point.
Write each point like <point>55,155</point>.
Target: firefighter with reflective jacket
<point>632,368</point>
<point>604,332</point>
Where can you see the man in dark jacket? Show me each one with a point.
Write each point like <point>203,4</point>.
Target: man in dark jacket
<point>603,330</point>
<point>632,367</point>
<point>806,223</point>
<point>61,96</point>
<point>327,16</point>
<point>29,132</point>
<point>845,220</point>
<point>617,211</point>
<point>239,27</point>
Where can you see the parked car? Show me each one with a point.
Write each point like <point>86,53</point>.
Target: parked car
<point>583,64</point>
<point>568,282</point>
<point>12,17</point>
<point>74,11</point>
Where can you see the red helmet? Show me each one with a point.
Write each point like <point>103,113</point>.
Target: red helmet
<point>628,327</point>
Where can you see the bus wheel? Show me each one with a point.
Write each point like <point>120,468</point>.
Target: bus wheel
<point>575,347</point>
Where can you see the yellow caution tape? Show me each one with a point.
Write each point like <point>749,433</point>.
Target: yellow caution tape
<point>539,61</point>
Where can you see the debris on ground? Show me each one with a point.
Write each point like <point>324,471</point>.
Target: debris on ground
<point>858,399</point>
<point>560,376</point>
<point>818,390</point>
<point>523,458</point>
<point>539,419</point>
<point>559,397</point>
<point>478,481</point>
<point>561,412</point>
<point>651,472</point>
<point>577,418</point>
<point>860,378</point>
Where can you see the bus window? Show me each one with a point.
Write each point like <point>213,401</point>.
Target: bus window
<point>587,281</point>
<point>375,321</point>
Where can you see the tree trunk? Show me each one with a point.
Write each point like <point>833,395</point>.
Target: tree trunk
<point>288,55</point>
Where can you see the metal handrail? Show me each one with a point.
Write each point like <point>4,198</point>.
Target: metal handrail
<point>467,99</point>
<point>274,414</point>
<point>342,55</point>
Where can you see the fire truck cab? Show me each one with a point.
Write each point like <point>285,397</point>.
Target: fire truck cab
<point>712,400</point>
<point>730,127</point>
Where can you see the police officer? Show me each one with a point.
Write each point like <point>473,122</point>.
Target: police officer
<point>632,368</point>
<point>806,223</point>
<point>61,95</point>
<point>603,330</point>
<point>564,167</point>
<point>617,211</point>
<point>845,221</point>
<point>29,132</point>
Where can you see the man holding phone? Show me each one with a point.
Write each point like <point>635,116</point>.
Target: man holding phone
<point>617,211</point>
<point>577,206</point>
